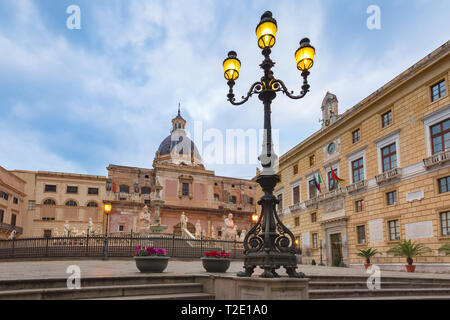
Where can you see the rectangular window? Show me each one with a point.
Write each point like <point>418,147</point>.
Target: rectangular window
<point>15,200</point>
<point>92,190</point>
<point>394,230</point>
<point>358,170</point>
<point>121,228</point>
<point>297,221</point>
<point>233,199</point>
<point>216,197</point>
<point>13,220</point>
<point>50,188</point>
<point>280,204</point>
<point>4,195</point>
<point>185,189</point>
<point>314,240</point>
<point>147,201</point>
<point>332,184</point>
<point>359,205</point>
<point>47,233</point>
<point>72,189</point>
<point>391,198</point>
<point>124,189</point>
<point>296,194</point>
<point>31,205</point>
<point>389,157</point>
<point>356,135</point>
<point>444,184</point>
<point>445,223</point>
<point>386,119</point>
<point>314,217</point>
<point>312,189</point>
<point>361,231</point>
<point>251,200</point>
<point>438,90</point>
<point>295,169</point>
<point>2,215</point>
<point>440,136</point>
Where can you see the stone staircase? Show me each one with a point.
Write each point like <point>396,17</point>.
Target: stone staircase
<point>110,288</point>
<point>392,288</point>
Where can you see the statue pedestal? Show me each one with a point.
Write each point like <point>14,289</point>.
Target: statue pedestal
<point>157,228</point>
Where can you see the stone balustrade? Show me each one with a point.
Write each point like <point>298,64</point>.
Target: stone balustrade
<point>357,186</point>
<point>388,175</point>
<point>437,159</point>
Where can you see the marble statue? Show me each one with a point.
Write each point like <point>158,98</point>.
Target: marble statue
<point>243,234</point>
<point>235,233</point>
<point>74,231</point>
<point>198,230</point>
<point>229,234</point>
<point>213,233</point>
<point>83,233</point>
<point>12,235</point>
<point>66,229</point>
<point>99,229</point>
<point>56,232</point>
<point>146,218</point>
<point>91,226</point>
<point>183,221</point>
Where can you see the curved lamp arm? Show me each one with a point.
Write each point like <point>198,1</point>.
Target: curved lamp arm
<point>256,88</point>
<point>278,85</point>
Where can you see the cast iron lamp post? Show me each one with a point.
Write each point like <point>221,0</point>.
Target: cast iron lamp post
<point>269,244</point>
<point>107,209</point>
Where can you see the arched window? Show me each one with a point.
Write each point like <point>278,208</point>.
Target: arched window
<point>92,204</point>
<point>49,202</point>
<point>145,190</point>
<point>124,189</point>
<point>71,203</point>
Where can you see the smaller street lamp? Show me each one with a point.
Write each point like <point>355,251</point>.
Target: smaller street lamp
<point>107,210</point>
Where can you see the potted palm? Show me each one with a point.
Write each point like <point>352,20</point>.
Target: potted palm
<point>409,250</point>
<point>214,261</point>
<point>367,254</point>
<point>151,259</point>
<point>445,249</point>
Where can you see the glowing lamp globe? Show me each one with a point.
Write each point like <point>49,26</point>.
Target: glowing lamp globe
<point>231,66</point>
<point>304,56</point>
<point>266,31</point>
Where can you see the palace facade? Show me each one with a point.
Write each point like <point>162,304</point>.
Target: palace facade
<point>383,169</point>
<point>12,194</point>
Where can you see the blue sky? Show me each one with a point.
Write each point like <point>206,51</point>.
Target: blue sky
<point>78,100</point>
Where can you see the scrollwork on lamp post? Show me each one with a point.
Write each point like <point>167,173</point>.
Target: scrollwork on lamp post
<point>269,244</point>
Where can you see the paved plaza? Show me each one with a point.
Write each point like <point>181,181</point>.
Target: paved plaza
<point>126,267</point>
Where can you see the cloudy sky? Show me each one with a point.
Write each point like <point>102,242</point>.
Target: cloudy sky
<point>78,100</point>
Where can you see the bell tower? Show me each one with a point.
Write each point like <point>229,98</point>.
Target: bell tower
<point>329,110</point>
<point>178,123</point>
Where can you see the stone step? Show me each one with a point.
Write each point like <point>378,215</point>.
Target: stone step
<point>361,293</point>
<point>411,279</point>
<point>93,282</point>
<point>179,296</point>
<point>313,285</point>
<point>102,291</point>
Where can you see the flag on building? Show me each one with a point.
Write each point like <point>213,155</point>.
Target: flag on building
<point>318,181</point>
<point>335,177</point>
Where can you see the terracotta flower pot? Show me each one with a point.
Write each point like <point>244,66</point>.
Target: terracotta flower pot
<point>410,268</point>
<point>367,265</point>
<point>155,264</point>
<point>216,264</point>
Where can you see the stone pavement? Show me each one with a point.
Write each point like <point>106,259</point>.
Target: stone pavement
<point>127,267</point>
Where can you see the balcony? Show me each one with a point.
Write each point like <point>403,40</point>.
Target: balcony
<point>357,186</point>
<point>10,228</point>
<point>437,159</point>
<point>388,175</point>
<point>332,194</point>
<point>297,207</point>
<point>312,202</point>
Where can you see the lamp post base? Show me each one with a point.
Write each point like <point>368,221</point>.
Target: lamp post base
<point>270,262</point>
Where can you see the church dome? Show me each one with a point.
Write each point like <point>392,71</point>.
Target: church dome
<point>182,143</point>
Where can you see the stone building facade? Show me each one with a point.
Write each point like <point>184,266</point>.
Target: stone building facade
<point>392,152</point>
<point>187,187</point>
<point>54,199</point>
<point>12,194</point>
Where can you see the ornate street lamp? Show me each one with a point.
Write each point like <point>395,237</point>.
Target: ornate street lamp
<point>107,210</point>
<point>269,243</point>
<point>255,218</point>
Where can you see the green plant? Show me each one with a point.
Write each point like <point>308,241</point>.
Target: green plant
<point>408,250</point>
<point>313,262</point>
<point>445,248</point>
<point>336,262</point>
<point>367,254</point>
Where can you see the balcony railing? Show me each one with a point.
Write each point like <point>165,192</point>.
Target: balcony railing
<point>10,228</point>
<point>437,159</point>
<point>357,186</point>
<point>297,207</point>
<point>312,202</point>
<point>332,194</point>
<point>388,175</point>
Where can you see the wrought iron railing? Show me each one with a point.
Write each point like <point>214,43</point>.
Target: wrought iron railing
<point>118,246</point>
<point>437,159</point>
